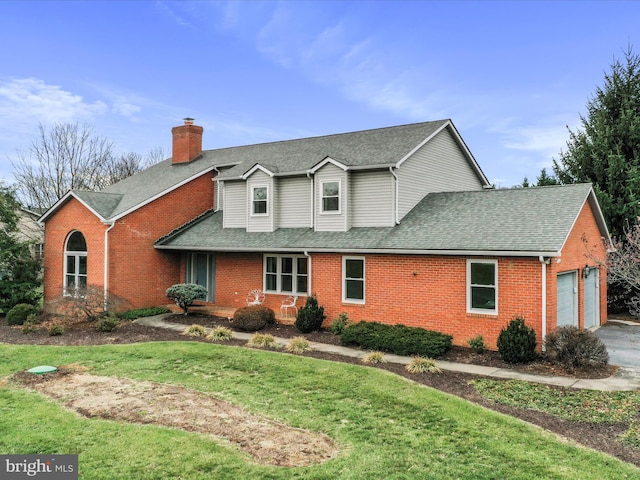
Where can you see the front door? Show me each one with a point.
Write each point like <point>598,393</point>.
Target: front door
<point>567,310</point>
<point>591,299</point>
<point>201,269</point>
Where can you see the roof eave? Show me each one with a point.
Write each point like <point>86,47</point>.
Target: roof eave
<point>65,198</point>
<point>386,251</point>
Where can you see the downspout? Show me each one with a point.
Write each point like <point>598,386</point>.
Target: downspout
<point>397,198</point>
<point>106,264</point>
<point>544,262</point>
<point>313,198</point>
<point>217,189</point>
<point>310,263</point>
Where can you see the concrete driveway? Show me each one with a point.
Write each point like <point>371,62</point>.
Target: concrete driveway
<point>623,343</point>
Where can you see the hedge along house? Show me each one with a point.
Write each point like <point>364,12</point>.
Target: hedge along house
<point>397,225</point>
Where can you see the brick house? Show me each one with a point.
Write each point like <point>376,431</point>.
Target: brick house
<point>397,225</point>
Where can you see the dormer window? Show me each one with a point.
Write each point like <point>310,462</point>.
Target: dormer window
<point>260,199</point>
<point>331,197</point>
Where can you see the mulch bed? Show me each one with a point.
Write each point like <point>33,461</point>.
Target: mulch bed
<point>597,436</point>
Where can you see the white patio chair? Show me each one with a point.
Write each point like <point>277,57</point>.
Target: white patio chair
<point>287,303</point>
<point>255,297</point>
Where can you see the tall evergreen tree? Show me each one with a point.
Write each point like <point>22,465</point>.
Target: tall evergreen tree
<point>544,179</point>
<point>19,269</point>
<point>606,151</point>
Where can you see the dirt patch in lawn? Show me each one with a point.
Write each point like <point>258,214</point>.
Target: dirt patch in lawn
<point>602,437</point>
<point>267,441</point>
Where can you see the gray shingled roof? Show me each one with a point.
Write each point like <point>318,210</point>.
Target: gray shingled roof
<point>368,148</point>
<point>378,147</point>
<point>531,221</point>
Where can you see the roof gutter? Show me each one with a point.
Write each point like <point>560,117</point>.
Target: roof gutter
<point>385,251</point>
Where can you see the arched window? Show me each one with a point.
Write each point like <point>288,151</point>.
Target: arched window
<point>75,263</point>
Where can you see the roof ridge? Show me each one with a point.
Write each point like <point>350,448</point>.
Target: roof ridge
<point>366,130</point>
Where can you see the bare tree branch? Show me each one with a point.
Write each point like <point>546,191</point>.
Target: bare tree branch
<point>71,156</point>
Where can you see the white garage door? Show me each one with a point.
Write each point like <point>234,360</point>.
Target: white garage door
<point>567,313</point>
<point>591,299</point>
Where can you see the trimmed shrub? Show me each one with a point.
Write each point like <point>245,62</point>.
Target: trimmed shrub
<point>517,342</point>
<point>339,324</point>
<point>573,347</point>
<point>184,294</point>
<point>253,318</point>
<point>477,344</point>
<point>55,330</point>
<point>310,317</point>
<point>397,339</point>
<point>143,312</point>
<point>107,324</point>
<point>18,314</point>
<point>30,323</point>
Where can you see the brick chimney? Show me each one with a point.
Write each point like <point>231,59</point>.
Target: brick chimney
<point>187,142</point>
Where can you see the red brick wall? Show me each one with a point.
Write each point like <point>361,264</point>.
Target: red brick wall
<point>584,246</point>
<point>431,291</point>
<point>421,291</point>
<point>137,271</point>
<point>72,216</point>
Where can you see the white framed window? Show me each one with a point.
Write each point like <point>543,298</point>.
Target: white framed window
<point>482,286</point>
<point>259,200</point>
<point>353,279</point>
<point>286,274</point>
<point>75,263</point>
<point>330,202</point>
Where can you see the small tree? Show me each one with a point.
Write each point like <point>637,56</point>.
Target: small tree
<point>184,294</point>
<point>310,317</point>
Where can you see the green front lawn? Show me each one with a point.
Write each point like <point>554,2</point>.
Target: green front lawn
<point>386,426</point>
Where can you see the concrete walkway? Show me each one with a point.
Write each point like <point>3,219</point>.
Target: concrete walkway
<point>624,379</point>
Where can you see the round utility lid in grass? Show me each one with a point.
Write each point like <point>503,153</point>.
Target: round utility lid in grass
<point>42,369</point>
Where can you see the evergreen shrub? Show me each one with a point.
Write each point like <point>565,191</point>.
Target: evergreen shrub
<point>253,318</point>
<point>310,317</point>
<point>19,313</point>
<point>398,339</point>
<point>517,342</point>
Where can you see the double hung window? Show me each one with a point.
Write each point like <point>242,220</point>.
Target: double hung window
<point>286,274</point>
<point>353,279</point>
<point>482,286</point>
<point>330,197</point>
<point>260,201</point>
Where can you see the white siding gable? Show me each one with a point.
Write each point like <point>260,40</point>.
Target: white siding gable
<point>235,205</point>
<point>438,166</point>
<point>335,220</point>
<point>372,199</point>
<point>260,222</point>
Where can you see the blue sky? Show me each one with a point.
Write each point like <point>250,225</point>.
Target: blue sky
<point>511,75</point>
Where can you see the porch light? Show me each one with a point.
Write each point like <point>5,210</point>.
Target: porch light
<point>585,271</point>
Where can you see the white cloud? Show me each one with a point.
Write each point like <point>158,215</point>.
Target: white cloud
<point>29,99</point>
